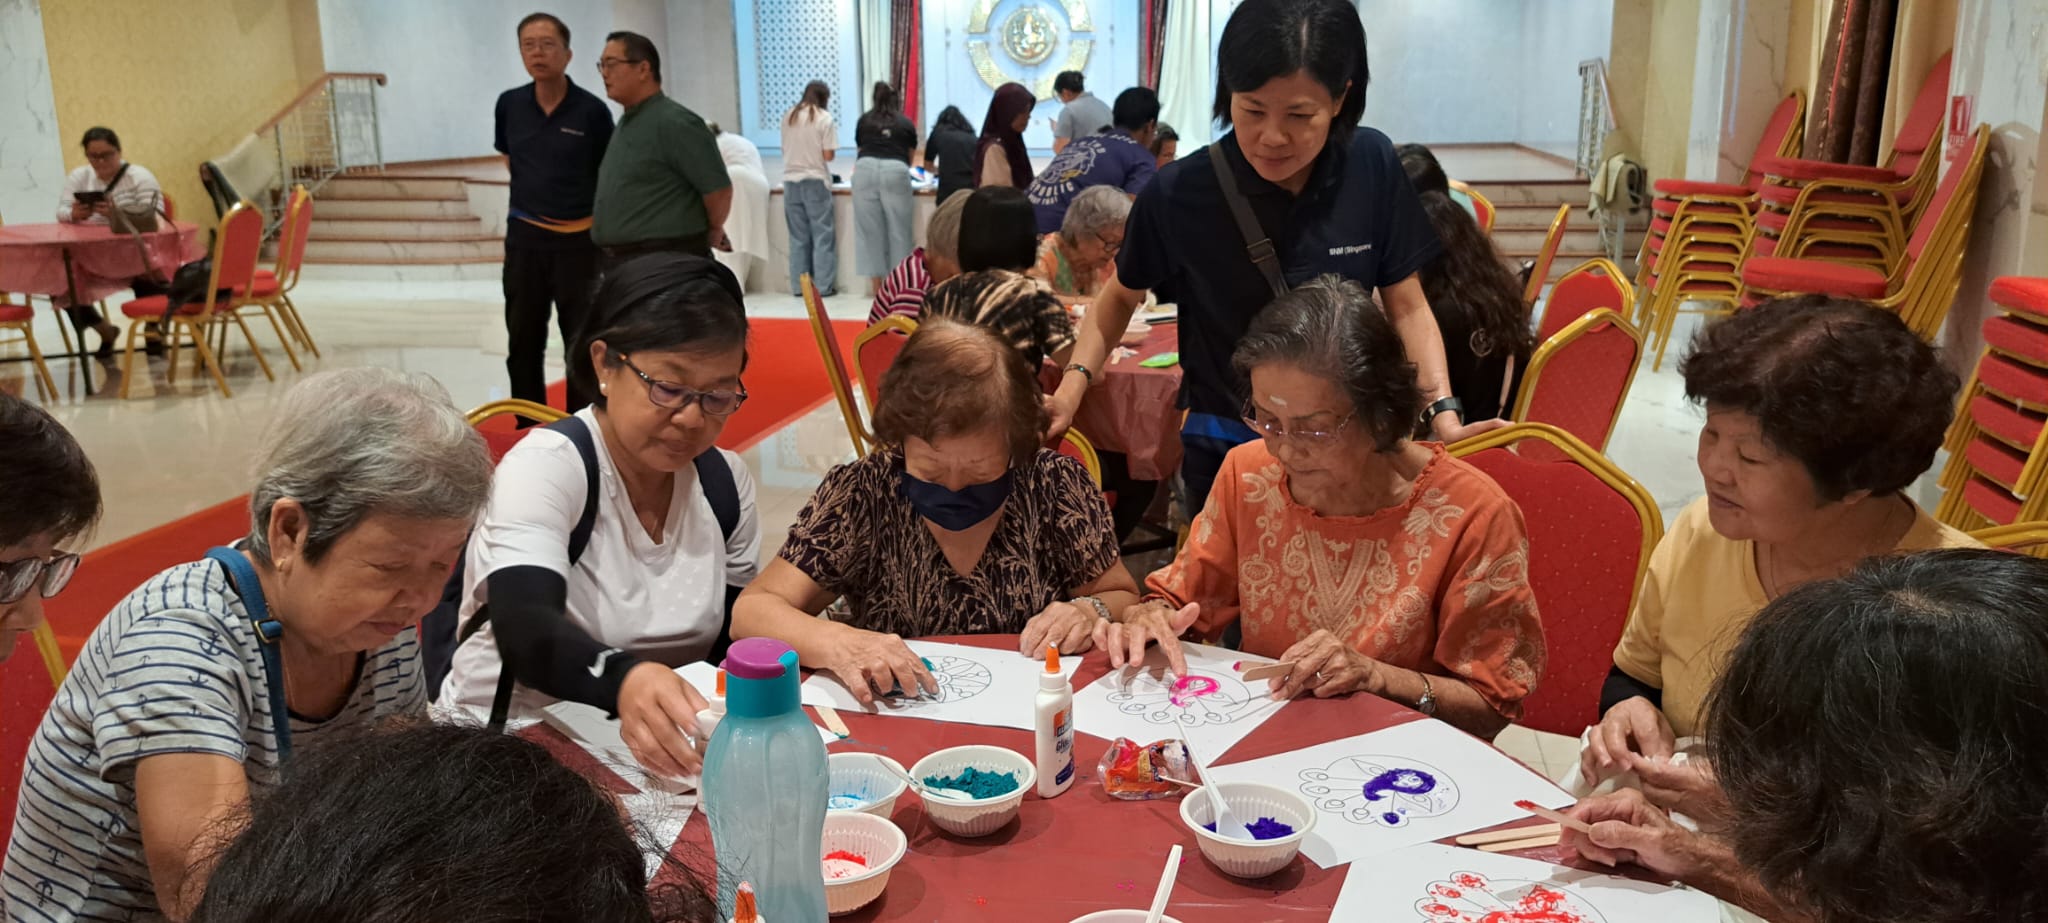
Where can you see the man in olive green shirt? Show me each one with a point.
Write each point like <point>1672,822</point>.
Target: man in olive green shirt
<point>662,184</point>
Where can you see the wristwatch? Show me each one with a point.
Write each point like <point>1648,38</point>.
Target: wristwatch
<point>1426,704</point>
<point>1440,405</point>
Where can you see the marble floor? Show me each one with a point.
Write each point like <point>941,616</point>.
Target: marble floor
<point>173,450</point>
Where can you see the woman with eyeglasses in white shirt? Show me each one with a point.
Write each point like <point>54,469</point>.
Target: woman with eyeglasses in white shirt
<point>91,193</point>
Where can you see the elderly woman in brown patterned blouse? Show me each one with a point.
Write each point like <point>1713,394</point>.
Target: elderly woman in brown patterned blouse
<point>963,524</point>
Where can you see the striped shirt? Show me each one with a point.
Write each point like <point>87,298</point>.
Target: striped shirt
<point>175,668</point>
<point>902,290</point>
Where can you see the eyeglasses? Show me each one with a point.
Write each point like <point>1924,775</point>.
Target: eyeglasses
<point>1308,438</point>
<point>1109,246</point>
<point>103,155</point>
<point>671,396</point>
<point>605,64</point>
<point>18,577</point>
<point>544,45</point>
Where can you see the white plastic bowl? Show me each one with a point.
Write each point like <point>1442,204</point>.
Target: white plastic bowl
<point>1249,801</point>
<point>875,839</point>
<point>1121,916</point>
<point>863,775</point>
<point>979,816</point>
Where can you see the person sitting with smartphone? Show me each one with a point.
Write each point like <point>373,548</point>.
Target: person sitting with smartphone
<point>91,193</point>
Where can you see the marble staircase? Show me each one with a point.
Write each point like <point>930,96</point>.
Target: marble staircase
<point>403,219</point>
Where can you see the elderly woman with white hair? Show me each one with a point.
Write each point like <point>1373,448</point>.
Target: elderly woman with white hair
<point>1074,259</point>
<point>192,692</point>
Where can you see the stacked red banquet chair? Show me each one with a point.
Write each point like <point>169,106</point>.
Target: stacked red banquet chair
<point>1997,473</point>
<point>1700,232</point>
<point>1921,286</point>
<point>1856,214</point>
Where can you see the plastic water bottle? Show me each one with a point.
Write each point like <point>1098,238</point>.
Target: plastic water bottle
<point>765,783</point>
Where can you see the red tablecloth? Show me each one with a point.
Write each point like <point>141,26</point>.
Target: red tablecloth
<point>32,257</point>
<point>1132,409</point>
<point>1075,854</point>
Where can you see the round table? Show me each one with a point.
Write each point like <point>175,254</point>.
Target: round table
<point>1071,855</point>
<point>88,262</point>
<point>1133,409</point>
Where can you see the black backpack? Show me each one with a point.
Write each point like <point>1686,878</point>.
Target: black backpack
<point>439,634</point>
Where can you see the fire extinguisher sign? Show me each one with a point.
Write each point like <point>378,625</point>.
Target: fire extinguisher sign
<point>1962,117</point>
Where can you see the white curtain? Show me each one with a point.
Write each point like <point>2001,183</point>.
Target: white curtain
<point>1187,85</point>
<point>874,56</point>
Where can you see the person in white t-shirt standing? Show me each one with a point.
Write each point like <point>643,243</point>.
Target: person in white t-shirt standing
<point>652,589</point>
<point>91,193</point>
<point>809,138</point>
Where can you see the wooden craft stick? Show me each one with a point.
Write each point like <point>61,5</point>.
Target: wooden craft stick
<point>1267,671</point>
<point>833,722</point>
<point>1513,833</point>
<point>1180,782</point>
<point>1512,845</point>
<point>1550,815</point>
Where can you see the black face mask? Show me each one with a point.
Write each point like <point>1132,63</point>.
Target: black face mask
<point>955,510</point>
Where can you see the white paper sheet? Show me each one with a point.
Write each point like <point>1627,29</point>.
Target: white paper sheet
<point>1433,883</point>
<point>977,685</point>
<point>594,732</point>
<point>1214,709</point>
<point>1408,784</point>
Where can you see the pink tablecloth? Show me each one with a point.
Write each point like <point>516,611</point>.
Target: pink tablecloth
<point>1132,409</point>
<point>102,262</point>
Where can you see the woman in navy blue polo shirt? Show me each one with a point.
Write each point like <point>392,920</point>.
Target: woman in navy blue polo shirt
<point>1331,197</point>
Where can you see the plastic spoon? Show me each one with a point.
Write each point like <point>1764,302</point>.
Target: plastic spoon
<point>1227,824</point>
<point>1165,886</point>
<point>950,794</point>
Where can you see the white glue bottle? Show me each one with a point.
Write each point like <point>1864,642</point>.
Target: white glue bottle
<point>1052,724</point>
<point>709,716</point>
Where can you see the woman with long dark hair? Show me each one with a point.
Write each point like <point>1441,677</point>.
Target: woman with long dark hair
<point>882,206</point>
<point>1326,192</point>
<point>1477,302</point>
<point>1001,159</point>
<point>808,141</point>
<point>950,151</point>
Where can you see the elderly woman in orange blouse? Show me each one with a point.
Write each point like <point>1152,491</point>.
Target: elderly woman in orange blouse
<point>1373,563</point>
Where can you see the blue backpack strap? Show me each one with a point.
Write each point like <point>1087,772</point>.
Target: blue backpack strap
<point>242,576</point>
<point>714,476</point>
<point>585,441</point>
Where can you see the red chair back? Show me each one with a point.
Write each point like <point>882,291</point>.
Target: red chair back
<point>1944,197</point>
<point>237,252</point>
<point>1578,379</point>
<point>875,349</point>
<point>1784,119</point>
<point>302,228</point>
<point>1922,125</point>
<point>498,423</point>
<point>1591,530</point>
<point>1547,255</point>
<point>1597,283</point>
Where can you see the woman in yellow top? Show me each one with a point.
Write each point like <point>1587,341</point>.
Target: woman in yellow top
<point>1820,412</point>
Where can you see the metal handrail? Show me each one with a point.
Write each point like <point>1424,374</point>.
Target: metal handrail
<point>1596,114</point>
<point>329,129</point>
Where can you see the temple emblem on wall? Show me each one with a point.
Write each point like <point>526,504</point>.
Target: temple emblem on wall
<point>1029,35</point>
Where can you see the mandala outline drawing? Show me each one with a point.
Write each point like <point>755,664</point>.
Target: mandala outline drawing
<point>1469,897</point>
<point>1151,697</point>
<point>959,679</point>
<point>1382,791</point>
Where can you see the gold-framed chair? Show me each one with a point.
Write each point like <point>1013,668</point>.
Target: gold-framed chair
<point>1592,529</point>
<point>45,639</point>
<point>499,440</point>
<point>291,259</point>
<point>1082,449</point>
<point>1482,207</point>
<point>236,250</point>
<point>2028,538</point>
<point>875,349</point>
<point>20,321</point>
<point>835,366</point>
<point>1547,255</point>
<point>1579,379</point>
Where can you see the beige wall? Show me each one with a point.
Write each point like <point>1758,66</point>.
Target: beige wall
<point>180,82</point>
<point>1665,118</point>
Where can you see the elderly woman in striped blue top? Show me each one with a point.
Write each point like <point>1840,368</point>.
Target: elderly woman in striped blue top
<point>368,482</point>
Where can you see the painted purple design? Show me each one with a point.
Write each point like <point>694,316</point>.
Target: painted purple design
<point>1401,782</point>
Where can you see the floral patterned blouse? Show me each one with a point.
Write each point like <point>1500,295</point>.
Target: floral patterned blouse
<point>1437,584</point>
<point>859,538</point>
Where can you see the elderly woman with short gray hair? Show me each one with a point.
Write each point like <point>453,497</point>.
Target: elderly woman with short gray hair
<point>1073,260</point>
<point>192,691</point>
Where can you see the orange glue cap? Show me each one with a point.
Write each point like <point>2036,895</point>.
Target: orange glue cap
<point>1052,658</point>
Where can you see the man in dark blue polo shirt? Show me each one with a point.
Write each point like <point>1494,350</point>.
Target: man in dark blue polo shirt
<point>553,133</point>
